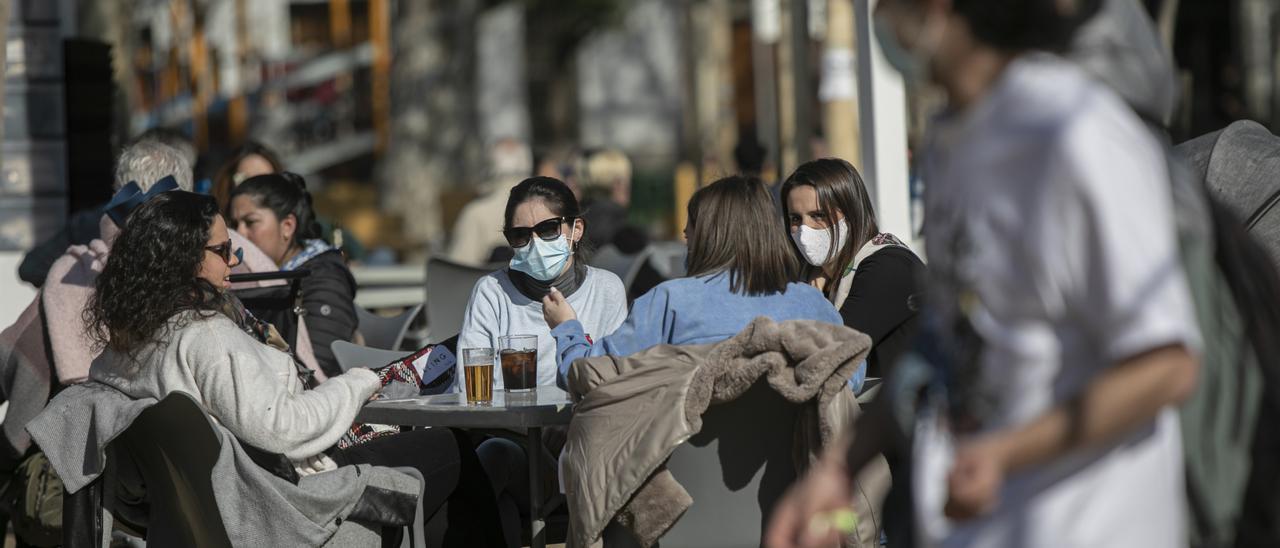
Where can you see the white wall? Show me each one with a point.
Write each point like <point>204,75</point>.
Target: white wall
<point>882,104</point>
<point>15,294</point>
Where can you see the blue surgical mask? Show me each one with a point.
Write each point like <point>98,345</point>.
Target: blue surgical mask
<point>542,260</point>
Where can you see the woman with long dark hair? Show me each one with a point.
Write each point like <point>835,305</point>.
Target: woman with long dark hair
<point>247,161</point>
<point>1060,322</point>
<point>274,212</point>
<point>163,316</point>
<point>873,278</point>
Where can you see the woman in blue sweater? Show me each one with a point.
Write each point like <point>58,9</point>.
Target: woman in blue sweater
<point>740,267</point>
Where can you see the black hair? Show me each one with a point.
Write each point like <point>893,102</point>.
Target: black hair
<point>558,198</point>
<point>285,194</point>
<point>1018,25</point>
<point>152,272</point>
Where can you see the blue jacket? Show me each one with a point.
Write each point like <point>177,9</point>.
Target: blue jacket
<point>697,310</point>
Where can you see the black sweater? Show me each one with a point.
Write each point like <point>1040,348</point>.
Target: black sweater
<point>328,295</point>
<point>883,302</point>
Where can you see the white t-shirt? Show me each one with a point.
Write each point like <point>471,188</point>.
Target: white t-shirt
<point>497,308</point>
<point>1050,218</point>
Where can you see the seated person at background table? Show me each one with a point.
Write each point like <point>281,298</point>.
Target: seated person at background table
<point>872,278</point>
<point>274,212</point>
<point>170,325</point>
<point>247,161</point>
<point>740,267</point>
<point>253,159</point>
<point>543,225</point>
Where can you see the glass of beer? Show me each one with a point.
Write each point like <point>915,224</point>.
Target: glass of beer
<point>477,371</point>
<point>519,357</point>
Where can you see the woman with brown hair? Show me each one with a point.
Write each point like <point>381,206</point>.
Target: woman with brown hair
<point>872,277</point>
<point>247,161</point>
<point>740,267</point>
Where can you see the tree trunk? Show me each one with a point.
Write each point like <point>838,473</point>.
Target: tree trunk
<point>434,129</point>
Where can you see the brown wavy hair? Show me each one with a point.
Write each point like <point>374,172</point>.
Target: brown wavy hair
<point>151,274</point>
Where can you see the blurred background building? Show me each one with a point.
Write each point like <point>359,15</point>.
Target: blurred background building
<point>387,106</point>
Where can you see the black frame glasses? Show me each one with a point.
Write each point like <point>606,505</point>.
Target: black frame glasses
<point>547,230</point>
<point>224,251</point>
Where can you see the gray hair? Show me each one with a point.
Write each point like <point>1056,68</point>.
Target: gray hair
<point>148,161</point>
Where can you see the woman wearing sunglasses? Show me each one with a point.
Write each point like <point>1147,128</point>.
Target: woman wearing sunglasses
<point>543,224</point>
<point>274,212</point>
<point>171,325</point>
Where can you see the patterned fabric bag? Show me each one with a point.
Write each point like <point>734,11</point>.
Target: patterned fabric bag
<point>399,380</point>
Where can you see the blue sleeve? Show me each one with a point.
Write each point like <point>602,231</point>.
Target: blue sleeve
<point>859,377</point>
<point>647,325</point>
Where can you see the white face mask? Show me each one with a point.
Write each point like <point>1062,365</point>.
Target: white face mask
<point>815,244</point>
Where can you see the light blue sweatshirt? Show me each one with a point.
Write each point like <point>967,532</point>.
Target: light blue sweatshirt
<point>693,311</point>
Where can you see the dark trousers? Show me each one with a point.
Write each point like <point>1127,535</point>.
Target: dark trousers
<point>457,501</point>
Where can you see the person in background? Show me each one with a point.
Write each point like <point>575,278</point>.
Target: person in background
<point>477,238</point>
<point>174,138</point>
<point>48,347</point>
<point>1059,319</point>
<point>606,194</point>
<point>562,162</point>
<point>83,226</point>
<point>171,325</point>
<point>274,212</point>
<point>740,267</point>
<point>749,154</point>
<point>249,160</point>
<point>871,277</point>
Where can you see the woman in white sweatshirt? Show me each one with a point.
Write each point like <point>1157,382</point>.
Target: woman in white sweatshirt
<point>166,323</point>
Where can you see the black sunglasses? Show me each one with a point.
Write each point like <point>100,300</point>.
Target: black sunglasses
<point>548,230</point>
<point>224,250</point>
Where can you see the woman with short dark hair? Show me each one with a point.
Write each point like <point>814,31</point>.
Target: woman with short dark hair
<point>740,267</point>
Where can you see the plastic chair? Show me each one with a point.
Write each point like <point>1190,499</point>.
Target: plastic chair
<point>175,447</point>
<point>353,355</point>
<point>736,469</point>
<point>449,287</point>
<point>626,267</point>
<point>382,332</point>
